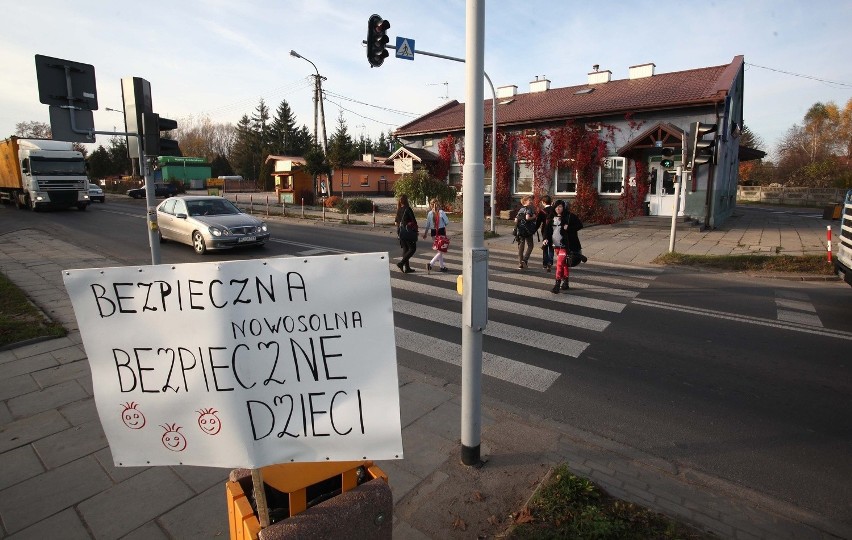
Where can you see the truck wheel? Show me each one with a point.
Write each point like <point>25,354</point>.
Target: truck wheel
<point>20,203</point>
<point>198,243</point>
<point>82,206</point>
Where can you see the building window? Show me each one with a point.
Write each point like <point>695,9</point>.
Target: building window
<point>427,143</point>
<point>455,177</point>
<point>486,181</point>
<point>346,180</point>
<point>523,177</point>
<point>612,175</point>
<point>365,180</point>
<point>566,177</point>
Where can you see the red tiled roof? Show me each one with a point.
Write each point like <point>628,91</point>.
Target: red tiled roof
<point>662,91</point>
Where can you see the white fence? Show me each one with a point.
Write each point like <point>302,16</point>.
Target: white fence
<point>796,196</point>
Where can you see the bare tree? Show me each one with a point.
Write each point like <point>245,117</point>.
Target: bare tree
<point>34,130</point>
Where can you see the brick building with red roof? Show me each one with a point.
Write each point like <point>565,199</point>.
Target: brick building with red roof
<point>645,116</point>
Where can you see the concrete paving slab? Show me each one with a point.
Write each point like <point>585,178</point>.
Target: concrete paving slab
<point>116,511</point>
<point>65,525</point>
<point>204,516</point>
<point>71,444</point>
<point>18,465</point>
<point>46,399</point>
<point>26,430</point>
<point>38,498</point>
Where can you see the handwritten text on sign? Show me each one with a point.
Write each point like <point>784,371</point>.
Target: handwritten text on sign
<point>243,363</point>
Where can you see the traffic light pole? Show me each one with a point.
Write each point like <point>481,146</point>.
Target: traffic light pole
<point>680,179</point>
<point>151,207</point>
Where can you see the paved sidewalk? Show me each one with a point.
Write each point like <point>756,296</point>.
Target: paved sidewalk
<point>57,479</point>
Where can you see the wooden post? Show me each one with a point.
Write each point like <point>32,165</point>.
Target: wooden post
<point>260,498</point>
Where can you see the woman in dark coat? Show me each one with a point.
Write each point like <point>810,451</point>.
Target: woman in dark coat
<point>404,214</point>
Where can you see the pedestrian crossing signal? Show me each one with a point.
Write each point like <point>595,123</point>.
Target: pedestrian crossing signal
<point>377,38</point>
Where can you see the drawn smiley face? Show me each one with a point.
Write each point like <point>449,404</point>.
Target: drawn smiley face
<point>209,422</point>
<point>173,439</point>
<point>132,416</point>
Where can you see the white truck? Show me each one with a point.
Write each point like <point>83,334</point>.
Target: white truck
<point>42,173</point>
<point>843,256</point>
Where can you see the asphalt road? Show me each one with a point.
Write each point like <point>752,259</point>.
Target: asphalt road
<point>703,369</point>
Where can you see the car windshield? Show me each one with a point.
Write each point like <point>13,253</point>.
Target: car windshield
<point>212,207</point>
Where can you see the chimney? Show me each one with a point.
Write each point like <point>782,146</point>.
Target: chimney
<point>641,71</point>
<point>539,85</point>
<point>598,77</point>
<point>507,91</point>
<point>367,157</point>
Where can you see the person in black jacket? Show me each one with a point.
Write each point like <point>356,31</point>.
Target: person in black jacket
<point>561,233</point>
<point>404,214</point>
<point>544,216</point>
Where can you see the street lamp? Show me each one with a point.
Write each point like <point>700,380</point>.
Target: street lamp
<point>317,101</point>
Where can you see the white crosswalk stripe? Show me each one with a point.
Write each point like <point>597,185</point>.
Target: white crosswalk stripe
<point>795,307</point>
<point>522,374</point>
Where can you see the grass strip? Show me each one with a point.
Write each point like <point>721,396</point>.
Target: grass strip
<point>20,320</point>
<point>806,264</point>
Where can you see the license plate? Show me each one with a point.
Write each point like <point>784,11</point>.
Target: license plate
<point>248,239</point>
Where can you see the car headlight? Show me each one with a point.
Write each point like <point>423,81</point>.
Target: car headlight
<point>217,231</point>
<point>262,227</point>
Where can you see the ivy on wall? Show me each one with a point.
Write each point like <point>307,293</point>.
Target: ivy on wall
<point>545,149</point>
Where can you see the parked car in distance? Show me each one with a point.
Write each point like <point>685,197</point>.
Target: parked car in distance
<point>208,222</point>
<point>160,190</point>
<point>96,193</point>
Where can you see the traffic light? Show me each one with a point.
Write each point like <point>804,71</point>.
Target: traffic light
<point>377,38</point>
<point>667,162</point>
<point>703,151</point>
<point>153,142</point>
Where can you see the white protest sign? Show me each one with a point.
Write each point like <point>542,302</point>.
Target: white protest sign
<point>243,363</point>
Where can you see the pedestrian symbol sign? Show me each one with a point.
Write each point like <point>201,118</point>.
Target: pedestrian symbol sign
<point>405,48</point>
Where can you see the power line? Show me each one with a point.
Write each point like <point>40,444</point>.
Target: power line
<point>358,115</point>
<point>404,113</point>
<point>834,83</point>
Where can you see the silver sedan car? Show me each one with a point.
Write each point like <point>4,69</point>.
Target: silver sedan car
<point>208,222</point>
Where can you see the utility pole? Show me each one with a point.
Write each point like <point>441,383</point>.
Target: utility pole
<point>475,256</point>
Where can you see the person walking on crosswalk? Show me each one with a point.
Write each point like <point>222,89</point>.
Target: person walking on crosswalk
<point>561,233</point>
<point>406,226</point>
<point>544,216</point>
<point>525,222</point>
<point>436,222</point>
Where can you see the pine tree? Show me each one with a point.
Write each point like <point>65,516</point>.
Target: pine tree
<point>283,131</point>
<point>342,151</point>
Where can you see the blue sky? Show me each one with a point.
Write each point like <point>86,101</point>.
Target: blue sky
<point>218,58</point>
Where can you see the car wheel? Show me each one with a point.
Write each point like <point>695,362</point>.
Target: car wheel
<point>198,243</point>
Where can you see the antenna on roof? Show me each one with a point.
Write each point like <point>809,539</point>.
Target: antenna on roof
<point>596,67</point>
<point>446,88</point>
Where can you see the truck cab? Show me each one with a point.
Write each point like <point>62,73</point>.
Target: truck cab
<point>843,256</point>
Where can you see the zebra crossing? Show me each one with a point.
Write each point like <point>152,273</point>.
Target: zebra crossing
<point>597,294</point>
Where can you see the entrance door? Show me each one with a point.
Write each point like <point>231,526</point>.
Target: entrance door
<point>662,189</point>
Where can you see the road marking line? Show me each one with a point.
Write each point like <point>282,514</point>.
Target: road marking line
<point>839,334</point>
<point>505,369</point>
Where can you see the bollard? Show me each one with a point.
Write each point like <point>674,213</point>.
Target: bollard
<point>303,208</point>
<point>312,500</point>
<point>267,206</point>
<point>828,235</point>
<point>323,212</point>
<point>347,215</point>
<point>251,203</point>
<point>374,215</point>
